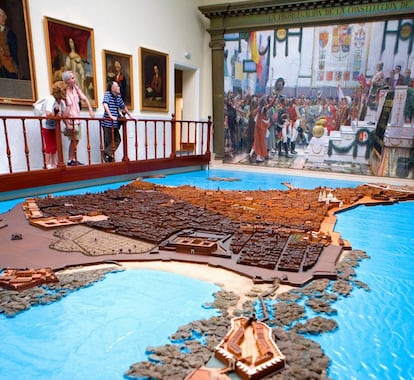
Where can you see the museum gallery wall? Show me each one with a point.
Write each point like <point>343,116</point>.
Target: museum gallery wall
<point>71,46</point>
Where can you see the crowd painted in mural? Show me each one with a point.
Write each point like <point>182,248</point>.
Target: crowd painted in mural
<point>280,84</point>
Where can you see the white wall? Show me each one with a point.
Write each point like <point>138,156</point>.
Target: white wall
<point>171,27</point>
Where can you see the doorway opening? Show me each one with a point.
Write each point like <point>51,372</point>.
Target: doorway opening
<point>185,105</point>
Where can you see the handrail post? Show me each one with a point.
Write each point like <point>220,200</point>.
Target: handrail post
<point>173,137</point>
<point>8,152</point>
<point>61,162</point>
<point>113,148</point>
<point>209,133</point>
<point>125,158</point>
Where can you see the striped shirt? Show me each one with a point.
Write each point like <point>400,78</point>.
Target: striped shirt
<point>114,104</point>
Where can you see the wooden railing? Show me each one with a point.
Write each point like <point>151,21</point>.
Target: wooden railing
<point>148,145</point>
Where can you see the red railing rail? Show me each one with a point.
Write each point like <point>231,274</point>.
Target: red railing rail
<point>146,145</point>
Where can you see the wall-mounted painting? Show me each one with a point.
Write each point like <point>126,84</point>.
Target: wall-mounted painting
<point>118,67</point>
<point>17,76</point>
<point>71,47</point>
<point>154,80</point>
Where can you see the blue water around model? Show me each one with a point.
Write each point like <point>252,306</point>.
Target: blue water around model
<point>214,179</point>
<point>375,338</point>
<point>97,332</point>
<point>230,180</point>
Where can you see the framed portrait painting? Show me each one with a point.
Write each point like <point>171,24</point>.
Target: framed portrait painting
<point>154,80</point>
<point>118,67</point>
<point>71,47</point>
<point>17,75</point>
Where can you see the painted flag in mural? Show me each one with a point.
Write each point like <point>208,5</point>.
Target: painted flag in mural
<point>341,39</point>
<point>254,52</point>
<point>262,69</point>
<point>262,64</point>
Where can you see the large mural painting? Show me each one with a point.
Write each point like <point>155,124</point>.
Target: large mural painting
<point>333,98</point>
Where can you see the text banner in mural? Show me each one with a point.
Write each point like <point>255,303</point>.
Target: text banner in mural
<point>323,15</point>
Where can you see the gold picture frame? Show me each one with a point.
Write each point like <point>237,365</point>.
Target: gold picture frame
<point>154,80</point>
<point>118,67</point>
<point>17,74</point>
<point>72,47</point>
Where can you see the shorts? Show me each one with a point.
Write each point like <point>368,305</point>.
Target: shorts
<point>73,134</point>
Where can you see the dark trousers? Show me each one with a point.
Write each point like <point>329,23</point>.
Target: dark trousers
<point>108,140</point>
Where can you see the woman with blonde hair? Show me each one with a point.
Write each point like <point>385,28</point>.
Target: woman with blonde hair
<point>55,106</point>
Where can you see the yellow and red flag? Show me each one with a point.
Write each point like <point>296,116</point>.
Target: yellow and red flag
<point>254,51</point>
